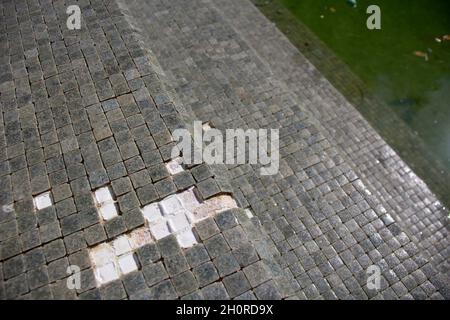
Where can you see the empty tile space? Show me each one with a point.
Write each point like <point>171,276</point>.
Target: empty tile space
<point>105,203</point>
<point>42,200</point>
<point>115,258</point>
<point>177,213</point>
<point>175,166</point>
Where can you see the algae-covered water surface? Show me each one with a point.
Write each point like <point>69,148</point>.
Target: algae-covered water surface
<point>406,63</point>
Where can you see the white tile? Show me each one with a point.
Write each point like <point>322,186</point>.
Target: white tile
<point>106,273</point>
<point>189,200</point>
<point>174,166</point>
<point>102,254</point>
<point>43,200</point>
<point>108,211</point>
<point>186,238</point>
<point>127,263</point>
<point>152,213</point>
<point>159,230</point>
<point>178,222</point>
<point>191,217</point>
<point>103,195</point>
<point>121,245</point>
<point>170,205</point>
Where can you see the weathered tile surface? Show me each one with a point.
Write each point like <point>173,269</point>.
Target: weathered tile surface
<point>92,108</point>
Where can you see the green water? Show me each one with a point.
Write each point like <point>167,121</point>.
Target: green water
<point>418,90</point>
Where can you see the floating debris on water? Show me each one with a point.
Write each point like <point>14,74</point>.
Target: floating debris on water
<point>445,37</point>
<point>421,54</point>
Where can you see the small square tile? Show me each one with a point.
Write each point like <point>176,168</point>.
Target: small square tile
<point>154,273</point>
<point>148,253</point>
<point>115,226</point>
<point>226,264</point>
<point>268,291</point>
<point>54,250</point>
<point>106,273</point>
<point>43,200</point>
<point>165,187</point>
<point>134,282</point>
<point>236,284</point>
<point>178,222</point>
<point>127,263</point>
<point>196,255</point>
<point>226,219</point>
<point>208,188</point>
<point>133,219</point>
<point>216,246</point>
<point>102,254</point>
<point>121,245</point>
<point>147,194</point>
<point>163,291</point>
<point>185,283</point>
<point>95,234</point>
<point>175,263</point>
<point>152,213</point>
<point>205,273</point>
<point>183,180</point>
<point>189,200</point>
<point>113,290</point>
<point>174,166</point>
<point>169,246</point>
<point>186,238</point>
<point>170,205</point>
<point>160,229</point>
<point>103,195</point>
<point>215,291</point>
<point>256,273</point>
<point>206,228</point>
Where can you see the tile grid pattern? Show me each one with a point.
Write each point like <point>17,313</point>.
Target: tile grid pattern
<point>384,172</point>
<point>85,109</point>
<point>226,82</point>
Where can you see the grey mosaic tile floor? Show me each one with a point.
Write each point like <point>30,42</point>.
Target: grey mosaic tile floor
<point>94,108</point>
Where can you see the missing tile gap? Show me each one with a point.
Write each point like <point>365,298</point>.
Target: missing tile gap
<point>42,200</point>
<point>176,214</point>
<point>115,258</point>
<point>174,166</point>
<point>105,203</point>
